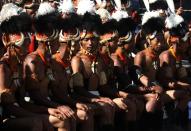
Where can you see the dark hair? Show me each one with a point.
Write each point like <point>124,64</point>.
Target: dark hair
<point>91,22</point>
<point>152,25</point>
<point>109,26</point>
<point>180,30</point>
<point>46,23</point>
<point>19,23</point>
<point>125,25</point>
<point>160,4</point>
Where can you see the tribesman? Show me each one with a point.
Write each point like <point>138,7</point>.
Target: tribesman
<point>146,65</point>
<point>38,68</point>
<point>15,25</point>
<point>124,105</point>
<point>88,75</point>
<point>175,67</point>
<point>69,45</point>
<point>162,8</point>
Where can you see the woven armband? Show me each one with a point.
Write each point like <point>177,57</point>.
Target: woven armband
<point>138,72</point>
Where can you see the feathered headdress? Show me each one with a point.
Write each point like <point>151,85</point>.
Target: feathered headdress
<point>177,27</point>
<point>14,20</point>
<point>109,27</point>
<point>47,20</point>
<point>90,23</point>
<point>86,6</point>
<point>152,23</point>
<point>119,13</point>
<point>104,14</point>
<point>67,7</point>
<point>159,4</point>
<point>126,27</point>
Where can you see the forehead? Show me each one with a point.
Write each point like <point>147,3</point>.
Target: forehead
<point>107,35</point>
<point>88,35</point>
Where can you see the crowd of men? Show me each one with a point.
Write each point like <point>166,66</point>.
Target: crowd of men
<point>93,66</point>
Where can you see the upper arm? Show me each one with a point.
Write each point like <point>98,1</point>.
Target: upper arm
<point>5,91</point>
<point>164,59</point>
<point>76,64</point>
<point>2,78</point>
<point>138,59</point>
<point>116,61</point>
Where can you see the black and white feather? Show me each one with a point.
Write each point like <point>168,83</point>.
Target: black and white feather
<point>176,26</point>
<point>66,6</point>
<point>47,18</point>
<point>13,19</point>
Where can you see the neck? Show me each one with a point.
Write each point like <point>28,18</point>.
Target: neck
<point>151,51</point>
<point>83,51</point>
<point>62,55</point>
<point>42,48</point>
<point>174,50</point>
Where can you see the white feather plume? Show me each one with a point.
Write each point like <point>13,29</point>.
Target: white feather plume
<point>149,15</point>
<point>171,5</point>
<point>118,4</point>
<point>103,13</point>
<point>44,9</point>
<point>99,2</point>
<point>66,6</point>
<point>9,10</point>
<point>119,14</point>
<point>173,21</point>
<point>152,1</point>
<point>146,3</point>
<point>86,6</point>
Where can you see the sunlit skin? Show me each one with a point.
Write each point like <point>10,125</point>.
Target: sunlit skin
<point>145,59</point>
<point>168,61</point>
<point>12,60</point>
<point>81,63</point>
<point>122,99</point>
<point>38,83</point>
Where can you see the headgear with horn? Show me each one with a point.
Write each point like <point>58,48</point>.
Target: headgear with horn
<point>15,22</point>
<point>46,23</point>
<point>90,23</point>
<point>109,27</point>
<point>152,23</point>
<point>177,27</point>
<point>126,27</point>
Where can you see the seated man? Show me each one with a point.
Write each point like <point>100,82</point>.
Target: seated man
<point>38,69</point>
<point>174,70</point>
<point>15,40</point>
<point>87,72</point>
<point>124,104</point>
<point>69,42</point>
<point>146,62</point>
<point>146,65</point>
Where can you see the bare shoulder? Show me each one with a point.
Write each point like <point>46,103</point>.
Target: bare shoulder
<point>164,55</point>
<point>76,60</point>
<point>140,54</point>
<point>2,66</point>
<point>30,58</point>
